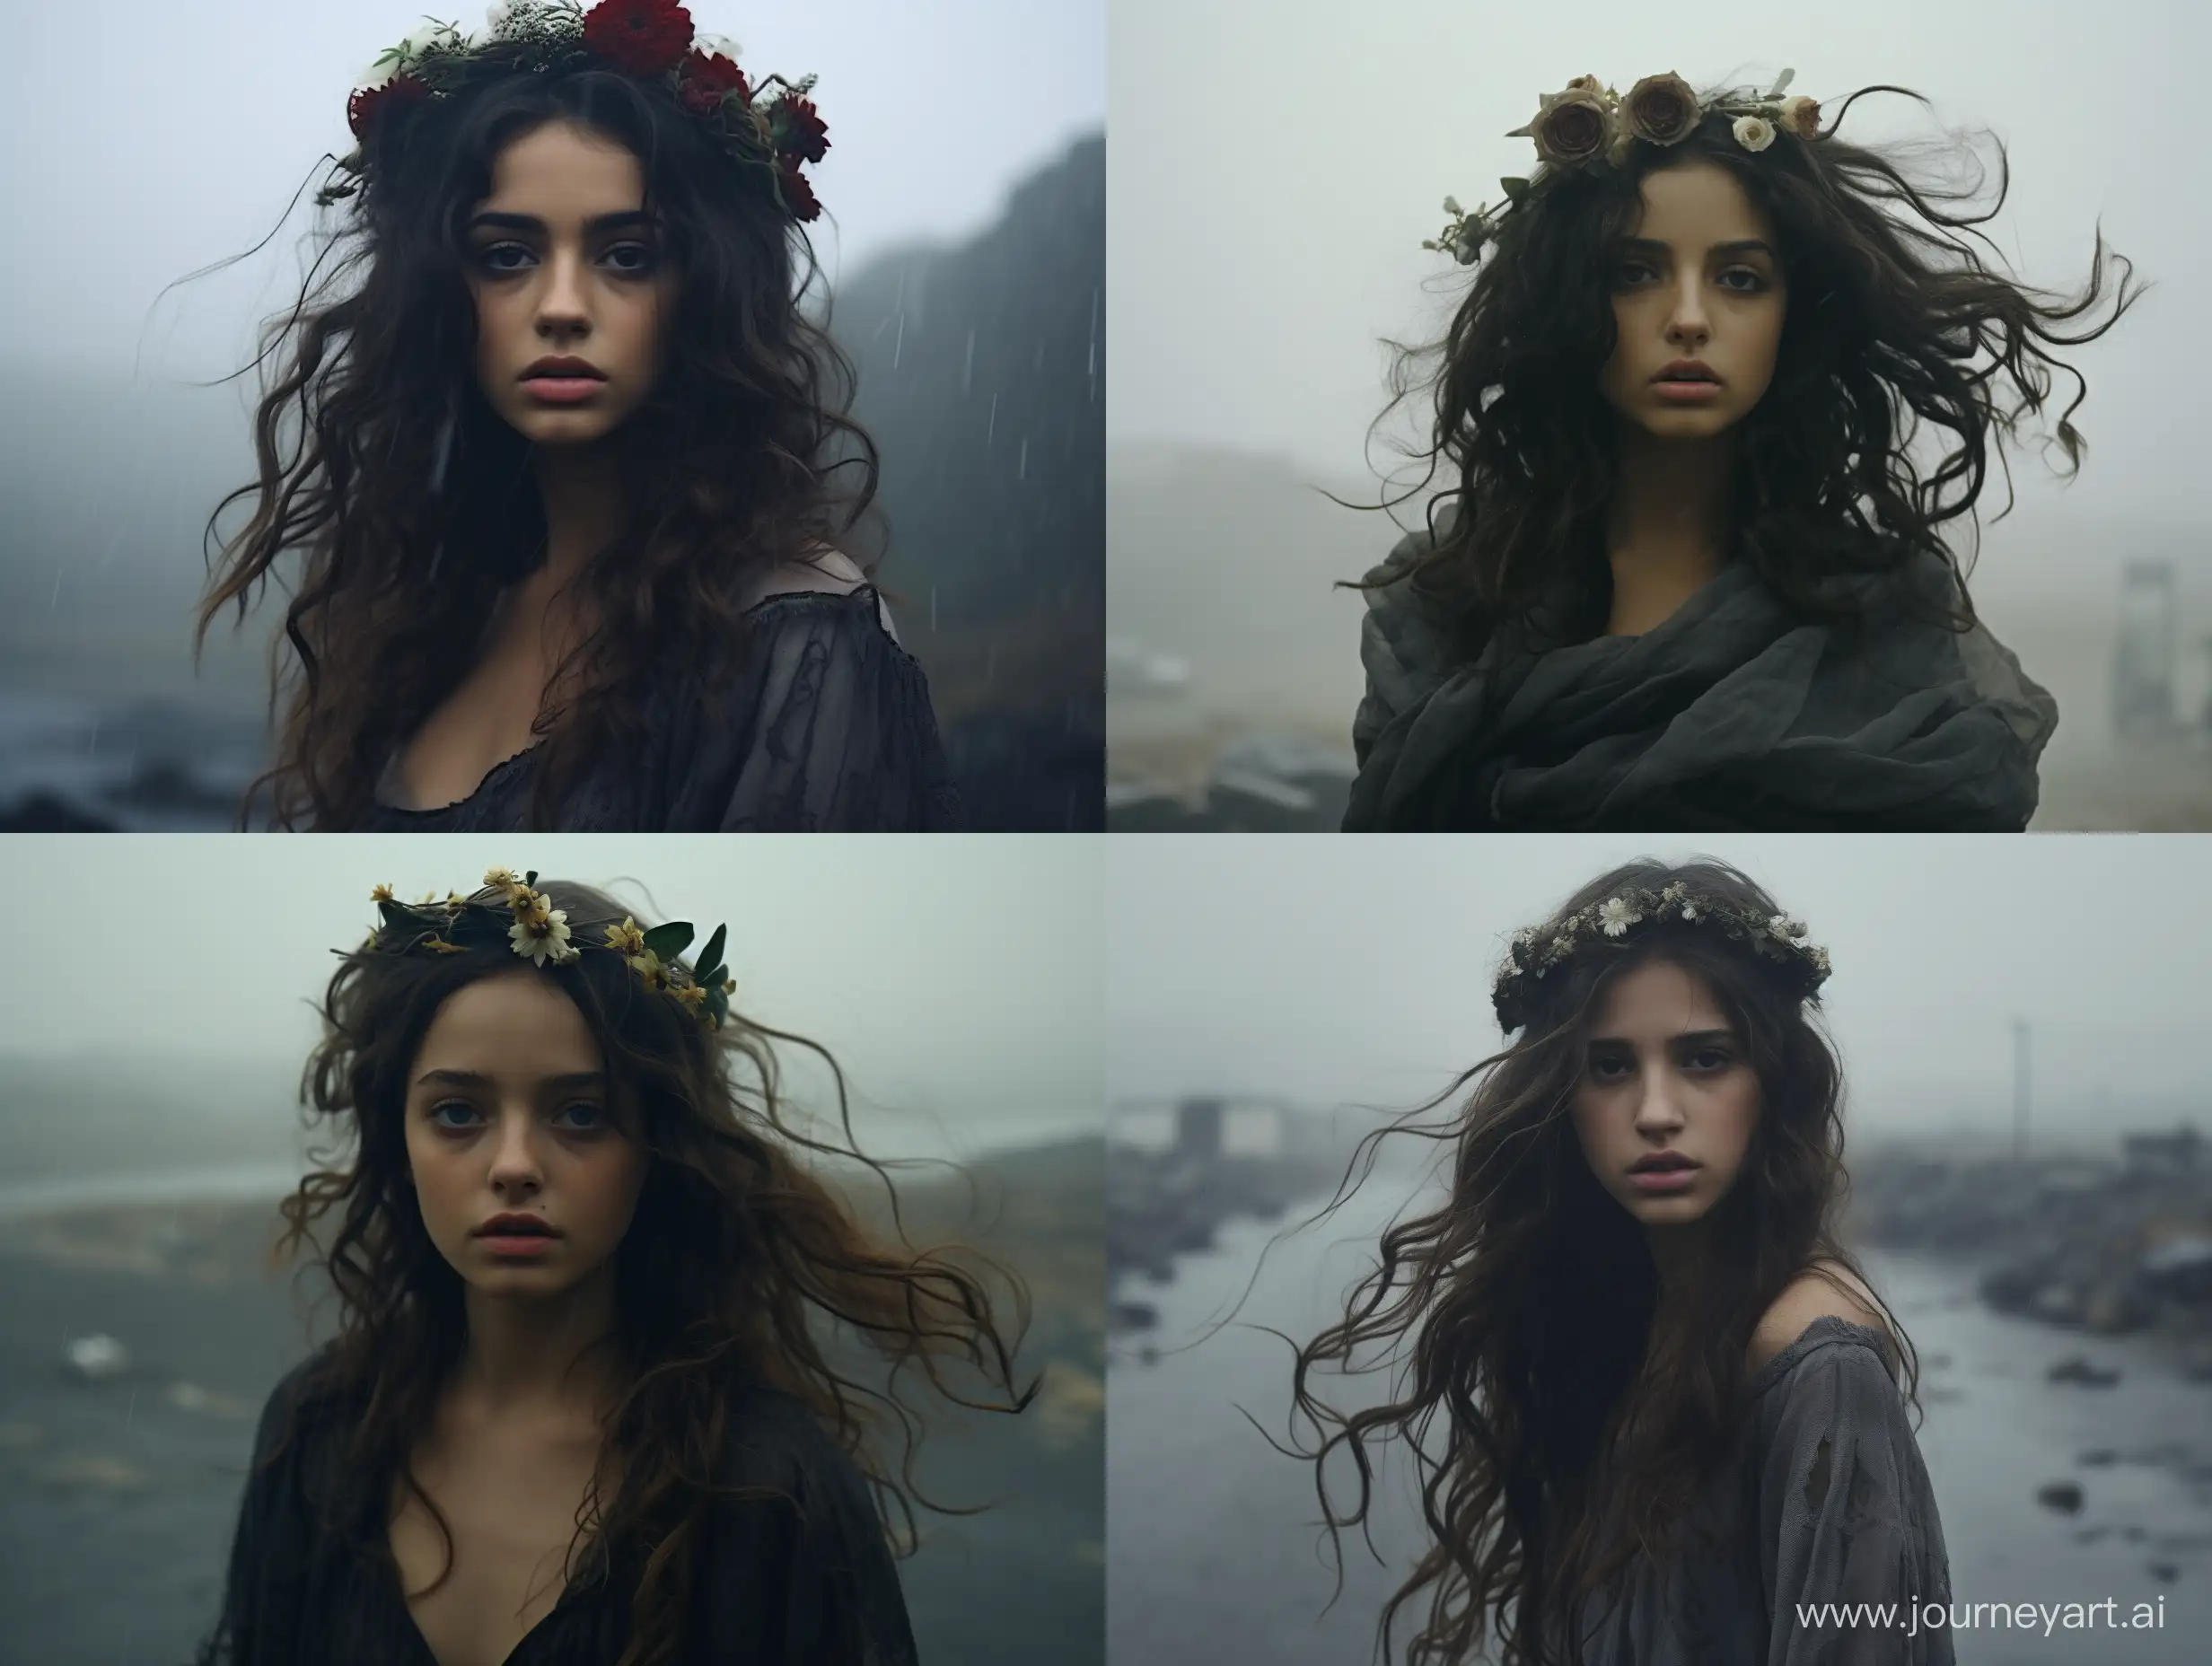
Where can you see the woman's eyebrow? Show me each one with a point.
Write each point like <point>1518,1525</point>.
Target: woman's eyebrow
<point>477,1079</point>
<point>531,223</point>
<point>1739,246</point>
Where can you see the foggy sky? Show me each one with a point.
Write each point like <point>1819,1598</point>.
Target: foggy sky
<point>173,136</point>
<point>955,979</point>
<point>1276,164</point>
<point>1359,971</point>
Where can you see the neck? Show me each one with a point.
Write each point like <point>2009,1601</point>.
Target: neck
<point>1677,1252</point>
<point>546,1362</point>
<point>1668,529</point>
<point>581,487</point>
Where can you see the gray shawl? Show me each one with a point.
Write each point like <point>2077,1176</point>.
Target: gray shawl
<point>1732,715</point>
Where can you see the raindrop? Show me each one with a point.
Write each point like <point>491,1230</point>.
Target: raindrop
<point>967,365</point>
<point>899,342</point>
<point>1022,473</point>
<point>993,428</point>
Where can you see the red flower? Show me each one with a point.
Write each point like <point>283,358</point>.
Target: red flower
<point>798,130</point>
<point>798,195</point>
<point>638,37</point>
<point>361,108</point>
<point>706,78</point>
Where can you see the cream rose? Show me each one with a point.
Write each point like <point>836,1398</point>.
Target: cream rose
<point>1754,133</point>
<point>1801,117</point>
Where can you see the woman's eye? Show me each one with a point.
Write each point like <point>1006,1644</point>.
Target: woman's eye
<point>1608,1069</point>
<point>643,263</point>
<point>469,1109</point>
<point>1752,288</point>
<point>1709,1058</point>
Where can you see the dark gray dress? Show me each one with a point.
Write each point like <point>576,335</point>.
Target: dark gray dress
<point>1828,1502</point>
<point>828,729</point>
<point>1732,715</point>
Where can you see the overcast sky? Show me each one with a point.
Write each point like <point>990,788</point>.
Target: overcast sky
<point>1276,163</point>
<point>172,136</point>
<point>957,979</point>
<point>1333,971</point>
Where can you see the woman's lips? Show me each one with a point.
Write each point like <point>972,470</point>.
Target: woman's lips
<point>1688,391</point>
<point>563,389</point>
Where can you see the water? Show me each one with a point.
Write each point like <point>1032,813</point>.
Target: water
<point>1214,1556</point>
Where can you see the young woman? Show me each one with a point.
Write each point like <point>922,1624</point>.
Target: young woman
<point>1686,576</point>
<point>586,1402</point>
<point>574,463</point>
<point>1656,1409</point>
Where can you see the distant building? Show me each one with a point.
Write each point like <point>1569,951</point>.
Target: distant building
<point>2155,1155</point>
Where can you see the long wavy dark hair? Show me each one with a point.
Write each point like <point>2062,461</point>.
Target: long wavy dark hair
<point>1528,1304</point>
<point>1885,319</point>
<point>741,1265</point>
<point>741,459</point>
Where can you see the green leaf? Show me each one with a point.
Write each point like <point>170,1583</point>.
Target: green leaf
<point>531,879</point>
<point>711,956</point>
<point>1515,187</point>
<point>671,940</point>
<point>718,1003</point>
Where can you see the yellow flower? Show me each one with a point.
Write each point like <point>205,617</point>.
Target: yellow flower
<point>647,966</point>
<point>503,878</point>
<point>439,945</point>
<point>729,985</point>
<point>690,995</point>
<point>382,893</point>
<point>626,938</point>
<point>429,897</point>
<point>529,904</point>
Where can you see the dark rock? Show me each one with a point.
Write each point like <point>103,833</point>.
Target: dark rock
<point>2062,1495</point>
<point>2076,1368</point>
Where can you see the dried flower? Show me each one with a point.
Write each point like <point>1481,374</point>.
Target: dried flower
<point>1617,915</point>
<point>1801,117</point>
<point>1572,126</point>
<point>1662,110</point>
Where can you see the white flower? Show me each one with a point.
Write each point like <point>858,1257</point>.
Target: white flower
<point>542,936</point>
<point>1689,910</point>
<point>1451,207</point>
<point>495,20</point>
<point>1802,117</point>
<point>1783,926</point>
<point>1754,133</point>
<point>717,45</point>
<point>1617,915</point>
<point>1819,960</point>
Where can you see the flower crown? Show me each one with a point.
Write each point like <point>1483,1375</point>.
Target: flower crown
<point>511,910</point>
<point>650,39</point>
<point>1589,124</point>
<point>1538,949</point>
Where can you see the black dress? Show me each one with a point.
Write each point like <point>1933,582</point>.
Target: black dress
<point>803,1578</point>
<point>829,729</point>
<point>1732,715</point>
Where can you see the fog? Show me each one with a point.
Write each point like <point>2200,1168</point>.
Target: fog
<point>1325,973</point>
<point>202,122</point>
<point>1265,242</point>
<point>957,981</point>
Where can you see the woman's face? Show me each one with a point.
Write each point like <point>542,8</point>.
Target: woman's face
<point>508,1111</point>
<point>1663,1072</point>
<point>1699,277</point>
<point>566,279</point>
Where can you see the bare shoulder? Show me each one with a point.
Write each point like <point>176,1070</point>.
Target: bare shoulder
<point>825,570</point>
<point>1827,1289</point>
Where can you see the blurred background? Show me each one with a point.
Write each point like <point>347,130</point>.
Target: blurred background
<point>1265,243</point>
<point>150,1123</point>
<point>2020,1023</point>
<point>963,248</point>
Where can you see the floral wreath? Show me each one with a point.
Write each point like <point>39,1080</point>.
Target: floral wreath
<point>514,911</point>
<point>652,40</point>
<point>1590,124</point>
<point>1776,937</point>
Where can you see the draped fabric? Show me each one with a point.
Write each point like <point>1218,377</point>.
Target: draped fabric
<point>827,728</point>
<point>799,1575</point>
<point>1827,1504</point>
<point>1732,715</point>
